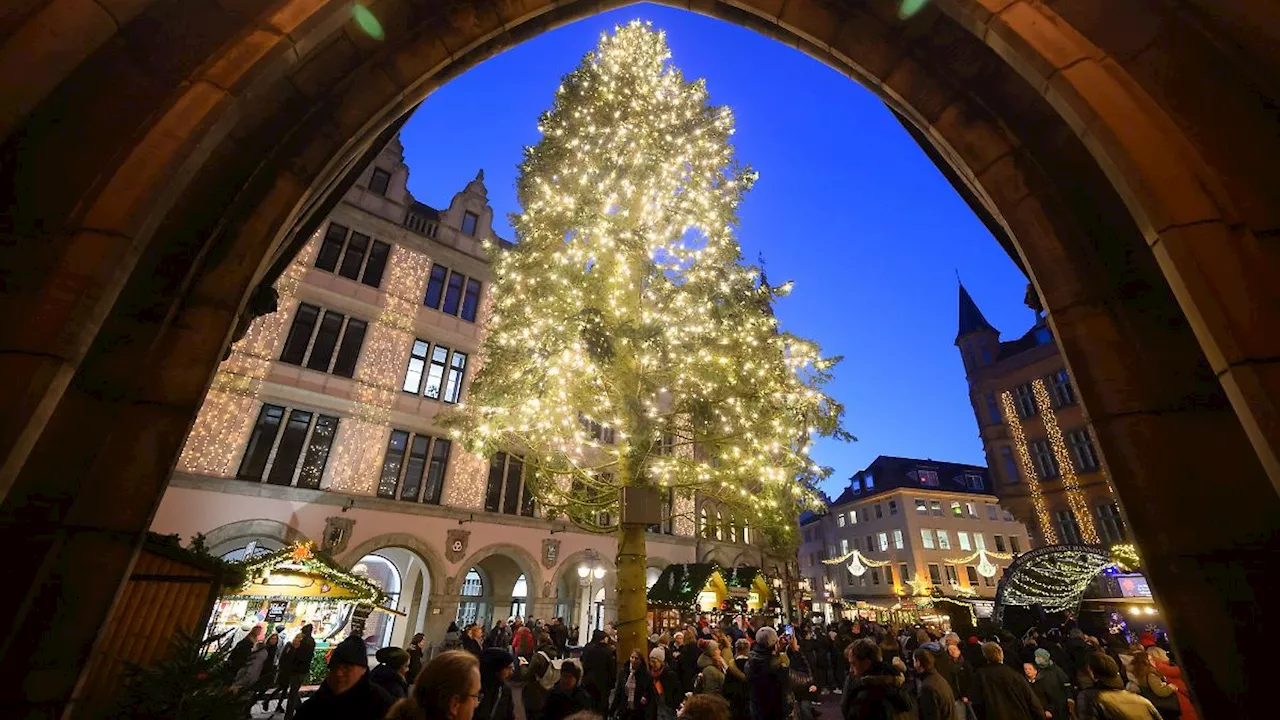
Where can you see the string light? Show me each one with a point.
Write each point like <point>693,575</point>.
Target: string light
<point>1047,530</point>
<point>624,304</point>
<point>985,567</point>
<point>1125,556</point>
<point>858,562</point>
<point>1054,577</point>
<point>1070,483</point>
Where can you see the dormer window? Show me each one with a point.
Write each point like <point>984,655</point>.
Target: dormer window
<point>469,222</point>
<point>379,181</point>
<point>857,487</point>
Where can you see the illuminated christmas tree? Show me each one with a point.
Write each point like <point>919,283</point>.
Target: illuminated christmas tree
<point>628,344</point>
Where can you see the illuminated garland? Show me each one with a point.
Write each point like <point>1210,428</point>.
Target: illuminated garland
<point>985,567</point>
<point>303,556</point>
<point>857,556</point>
<point>1028,468</point>
<point>1125,557</point>
<point>1069,481</point>
<point>1054,577</point>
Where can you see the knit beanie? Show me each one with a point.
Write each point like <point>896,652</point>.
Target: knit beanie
<point>350,652</point>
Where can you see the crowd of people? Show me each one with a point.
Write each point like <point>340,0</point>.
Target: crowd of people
<point>732,670</point>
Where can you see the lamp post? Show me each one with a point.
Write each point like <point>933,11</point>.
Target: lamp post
<point>587,577</point>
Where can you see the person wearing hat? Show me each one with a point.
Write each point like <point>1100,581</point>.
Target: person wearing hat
<point>665,682</point>
<point>1052,683</point>
<point>495,671</point>
<point>599,660</point>
<point>346,693</point>
<point>390,675</point>
<point>1106,696</point>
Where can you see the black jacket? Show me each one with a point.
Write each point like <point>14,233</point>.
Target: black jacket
<point>1001,693</point>
<point>599,662</point>
<point>768,685</point>
<point>877,695</point>
<point>688,664</point>
<point>936,701</point>
<point>471,646</point>
<point>672,688</point>
<point>365,701</point>
<point>300,658</point>
<point>240,653</point>
<point>385,677</point>
<point>735,690</point>
<point>644,702</point>
<point>1053,689</point>
<point>561,704</point>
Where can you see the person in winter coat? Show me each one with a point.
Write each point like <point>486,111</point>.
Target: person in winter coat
<point>393,666</point>
<point>495,671</point>
<point>873,690</point>
<point>768,678</point>
<point>239,657</point>
<point>539,677</point>
<point>300,668</point>
<point>471,639</point>
<point>448,688</point>
<point>959,675</point>
<point>935,699</point>
<point>711,670</point>
<point>1052,696</point>
<point>1145,681</point>
<point>452,639</point>
<point>685,664</point>
<point>522,641</point>
<point>1078,652</point>
<point>415,656</point>
<point>568,697</point>
<point>1104,697</point>
<point>1173,675</point>
<point>634,696</point>
<point>346,693</point>
<point>499,636</point>
<point>735,680</point>
<point>1052,685</point>
<point>559,636</point>
<point>666,682</point>
<point>599,661</point>
<point>1000,693</point>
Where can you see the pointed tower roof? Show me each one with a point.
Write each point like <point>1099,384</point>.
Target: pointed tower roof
<point>971,318</point>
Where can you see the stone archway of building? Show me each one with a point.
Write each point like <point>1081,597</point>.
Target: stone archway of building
<point>502,565</point>
<point>221,539</point>
<point>1127,163</point>
<point>422,579</point>
<point>567,588</point>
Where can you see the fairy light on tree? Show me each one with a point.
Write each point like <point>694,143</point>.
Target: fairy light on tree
<point>625,300</point>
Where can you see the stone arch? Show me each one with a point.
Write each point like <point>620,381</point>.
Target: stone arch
<point>522,558</point>
<point>222,536</point>
<point>1127,163</point>
<point>715,554</point>
<point>567,569</point>
<point>430,558</point>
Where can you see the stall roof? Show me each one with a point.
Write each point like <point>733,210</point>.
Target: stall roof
<point>298,571</point>
<point>679,584</point>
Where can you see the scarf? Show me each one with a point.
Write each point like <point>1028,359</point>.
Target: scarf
<point>657,680</point>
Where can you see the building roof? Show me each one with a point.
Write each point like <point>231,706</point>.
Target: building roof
<point>680,583</point>
<point>895,473</point>
<point>424,210</point>
<point>1038,335</point>
<point>971,318</point>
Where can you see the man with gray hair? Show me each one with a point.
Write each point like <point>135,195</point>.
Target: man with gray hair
<point>768,678</point>
<point>1000,693</point>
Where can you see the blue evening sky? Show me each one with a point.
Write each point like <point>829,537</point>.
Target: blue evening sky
<point>847,206</point>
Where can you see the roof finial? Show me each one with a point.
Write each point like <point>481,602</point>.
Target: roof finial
<point>480,175</point>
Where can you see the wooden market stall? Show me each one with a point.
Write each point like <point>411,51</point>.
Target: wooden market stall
<point>689,591</point>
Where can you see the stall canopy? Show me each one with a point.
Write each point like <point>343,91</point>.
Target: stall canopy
<point>298,571</point>
<point>707,586</point>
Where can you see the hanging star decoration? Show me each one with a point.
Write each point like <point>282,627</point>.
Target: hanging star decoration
<point>920,586</point>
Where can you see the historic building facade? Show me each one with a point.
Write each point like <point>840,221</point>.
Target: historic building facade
<point>1036,435</point>
<point>321,425</point>
<point>908,528</point>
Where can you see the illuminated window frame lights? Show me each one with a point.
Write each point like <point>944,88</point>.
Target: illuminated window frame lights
<point>1028,469</point>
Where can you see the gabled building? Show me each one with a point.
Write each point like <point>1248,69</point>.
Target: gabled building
<point>909,527</point>
<point>1045,465</point>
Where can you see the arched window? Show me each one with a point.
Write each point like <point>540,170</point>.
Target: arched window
<point>472,585</point>
<point>252,549</point>
<point>733,527</point>
<point>719,524</point>
<point>520,597</point>
<point>702,522</point>
<point>746,531</point>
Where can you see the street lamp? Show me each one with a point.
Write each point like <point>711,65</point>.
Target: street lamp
<point>587,575</point>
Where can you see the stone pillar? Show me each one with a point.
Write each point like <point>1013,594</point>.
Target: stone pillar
<point>437,623</point>
<point>584,610</point>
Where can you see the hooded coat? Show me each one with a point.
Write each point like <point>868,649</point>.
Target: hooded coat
<point>712,675</point>
<point>387,678</point>
<point>768,684</point>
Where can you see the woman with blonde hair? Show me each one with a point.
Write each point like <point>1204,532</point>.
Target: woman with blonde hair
<point>1145,681</point>
<point>448,688</point>
<point>1173,675</point>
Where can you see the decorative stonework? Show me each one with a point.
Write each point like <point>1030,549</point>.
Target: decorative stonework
<point>455,547</point>
<point>550,553</point>
<point>337,534</point>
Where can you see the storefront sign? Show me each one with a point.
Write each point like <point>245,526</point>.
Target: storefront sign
<point>276,610</point>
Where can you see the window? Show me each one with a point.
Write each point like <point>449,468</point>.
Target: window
<point>865,514</point>
<point>944,541</point>
<point>469,222</point>
<point>1013,544</point>
<point>1008,516</point>
<point>506,491</point>
<point>857,544</point>
<point>973,481</point>
<point>853,517</point>
<point>926,536</point>
<point>971,574</point>
<point>353,255</point>
<point>870,544</point>
<point>952,578</point>
<point>379,181</point>
<point>963,538</point>
<point>870,481</point>
<point>904,572</point>
<point>879,511</point>
<point>999,543</point>
<point>435,286</point>
<point>1110,523</point>
<point>1063,393</point>
<point>897,539</point>
<point>313,347</point>
<point>922,507</point>
<point>893,507</point>
<point>844,546</point>
<point>1046,463</point>
<point>443,370</point>
<point>970,511</point>
<point>957,509</point>
<point>979,542</point>
<point>993,409</point>
<point>471,300</point>
<point>403,478</point>
<point>883,540</point>
<point>856,486</point>
<point>1086,460</point>
<point>1010,467</point>
<point>992,512</point>
<point>840,520</point>
<point>928,477</point>
<point>935,507</point>
<point>1068,528</point>
<point>305,436</point>
<point>453,293</point>
<point>1025,400</point>
<point>935,574</point>
<point>875,576</point>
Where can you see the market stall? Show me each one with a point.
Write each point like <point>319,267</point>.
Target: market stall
<point>686,592</point>
<point>293,587</point>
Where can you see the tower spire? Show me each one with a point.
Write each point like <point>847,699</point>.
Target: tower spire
<point>971,318</point>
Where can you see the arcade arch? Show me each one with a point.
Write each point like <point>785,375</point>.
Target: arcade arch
<point>489,582</point>
<point>1126,165</point>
